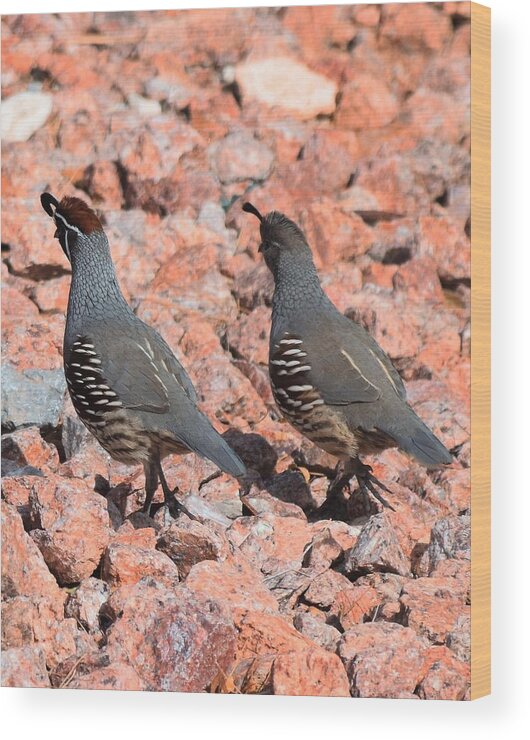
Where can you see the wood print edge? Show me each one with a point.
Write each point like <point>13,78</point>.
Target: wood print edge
<point>480,352</point>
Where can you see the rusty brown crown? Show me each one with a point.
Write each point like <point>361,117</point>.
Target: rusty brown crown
<point>73,211</point>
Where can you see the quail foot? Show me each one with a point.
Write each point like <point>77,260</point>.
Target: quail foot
<point>329,377</point>
<point>126,385</point>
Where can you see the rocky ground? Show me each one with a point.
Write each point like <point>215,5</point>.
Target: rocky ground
<point>353,120</point>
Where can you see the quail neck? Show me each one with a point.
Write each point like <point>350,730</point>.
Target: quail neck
<point>94,290</point>
<point>297,291</point>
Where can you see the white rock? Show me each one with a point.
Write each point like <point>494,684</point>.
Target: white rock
<point>24,113</point>
<point>282,82</point>
<point>144,106</point>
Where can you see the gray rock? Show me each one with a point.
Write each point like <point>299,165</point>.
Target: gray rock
<point>24,113</point>
<point>31,397</point>
<point>74,435</point>
<point>376,550</point>
<point>450,539</point>
<point>317,630</point>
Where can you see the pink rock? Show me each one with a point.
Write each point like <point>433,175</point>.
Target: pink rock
<point>27,447</point>
<point>382,659</point>
<point>189,542</point>
<point>71,527</point>
<point>432,606</point>
<point>234,583</point>
<point>240,156</point>
<point>40,621</point>
<point>25,667</point>
<point>446,678</point>
<point>24,572</point>
<point>131,556</point>
<point>366,103</point>
<point>309,674</point>
<point>174,639</point>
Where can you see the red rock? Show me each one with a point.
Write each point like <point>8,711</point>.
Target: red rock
<point>272,543</point>
<point>175,640</point>
<point>415,26</point>
<point>40,621</point>
<point>429,115</point>
<point>25,667</point>
<point>448,245</point>
<point>446,678</point>
<point>267,635</point>
<point>309,674</point>
<point>378,274</point>
<point>325,163</point>
<point>27,447</point>
<point>249,336</point>
<point>335,235</point>
<point>98,670</point>
<point>24,572</point>
<point>71,527</point>
<point>382,659</point>
<point>419,278</point>
<point>328,589</point>
<point>432,607</point>
<point>52,295</point>
<point>318,27</point>
<point>234,583</point>
<point>188,542</point>
<point>131,556</point>
<point>366,15</point>
<point>366,103</point>
<point>102,183</point>
<point>214,116</point>
<point>322,551</point>
<point>16,306</point>
<point>34,253</point>
<point>36,346</point>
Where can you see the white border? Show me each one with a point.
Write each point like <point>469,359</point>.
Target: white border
<point>91,715</point>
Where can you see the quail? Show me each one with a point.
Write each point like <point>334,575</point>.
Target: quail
<point>329,377</point>
<point>125,383</point>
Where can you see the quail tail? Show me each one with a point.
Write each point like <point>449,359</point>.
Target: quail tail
<point>416,439</point>
<point>200,436</point>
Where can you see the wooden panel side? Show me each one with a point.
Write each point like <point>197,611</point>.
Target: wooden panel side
<point>480,352</point>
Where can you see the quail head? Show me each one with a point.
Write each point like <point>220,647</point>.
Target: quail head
<point>125,383</point>
<point>329,377</point>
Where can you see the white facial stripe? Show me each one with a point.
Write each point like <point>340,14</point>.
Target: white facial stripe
<point>66,245</point>
<point>68,226</point>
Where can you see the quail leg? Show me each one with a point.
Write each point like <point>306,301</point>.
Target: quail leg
<point>173,505</point>
<point>151,484</point>
<point>368,483</point>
